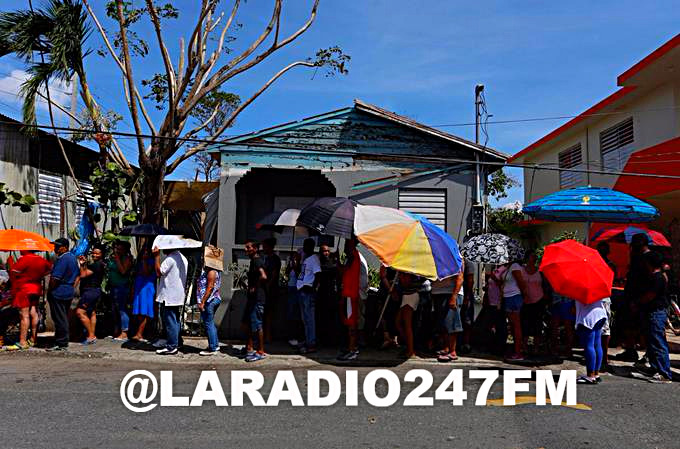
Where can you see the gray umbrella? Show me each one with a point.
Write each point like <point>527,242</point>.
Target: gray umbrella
<point>492,249</point>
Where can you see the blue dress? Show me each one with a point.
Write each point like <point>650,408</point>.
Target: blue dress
<point>145,292</point>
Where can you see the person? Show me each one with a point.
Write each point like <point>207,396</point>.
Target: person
<point>119,268</point>
<point>534,306</point>
<point>409,288</point>
<point>8,314</point>
<point>629,317</point>
<point>91,278</point>
<point>562,313</point>
<point>254,313</point>
<point>272,265</point>
<point>294,313</point>
<point>307,285</point>
<point>468,308</point>
<point>497,320</point>
<point>590,318</point>
<point>144,291</point>
<point>328,320</point>
<point>514,292</point>
<point>448,300</point>
<point>654,304</point>
<point>27,276</point>
<point>172,273</point>
<point>604,250</point>
<point>65,272</point>
<point>352,292</point>
<point>209,298</point>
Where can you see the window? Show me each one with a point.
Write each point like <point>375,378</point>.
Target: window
<point>570,158</point>
<point>50,193</point>
<point>80,208</point>
<point>615,145</point>
<point>430,203</point>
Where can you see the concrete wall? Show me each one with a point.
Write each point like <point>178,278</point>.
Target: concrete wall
<point>656,118</point>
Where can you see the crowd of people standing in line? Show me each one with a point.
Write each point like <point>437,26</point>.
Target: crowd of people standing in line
<point>327,304</point>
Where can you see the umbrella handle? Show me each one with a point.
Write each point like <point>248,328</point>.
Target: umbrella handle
<point>382,312</point>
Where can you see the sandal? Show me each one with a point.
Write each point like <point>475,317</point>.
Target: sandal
<point>16,347</point>
<point>256,357</point>
<point>586,380</point>
<point>447,357</point>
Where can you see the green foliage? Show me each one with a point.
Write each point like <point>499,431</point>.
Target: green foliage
<point>333,59</point>
<point>111,186</point>
<point>9,197</point>
<point>499,183</point>
<point>132,15</point>
<point>373,277</point>
<point>108,121</point>
<point>504,221</point>
<point>60,31</point>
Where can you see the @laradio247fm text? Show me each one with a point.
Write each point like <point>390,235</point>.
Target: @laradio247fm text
<point>141,391</point>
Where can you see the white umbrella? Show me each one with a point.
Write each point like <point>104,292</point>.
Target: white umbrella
<point>175,242</point>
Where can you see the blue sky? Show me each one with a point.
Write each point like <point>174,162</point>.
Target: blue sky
<point>536,59</point>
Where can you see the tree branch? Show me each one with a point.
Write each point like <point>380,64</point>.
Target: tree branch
<point>227,123</point>
<point>143,158</point>
<point>121,66</point>
<point>169,69</point>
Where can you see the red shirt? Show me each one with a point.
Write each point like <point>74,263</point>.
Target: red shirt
<point>27,273</point>
<point>351,277</point>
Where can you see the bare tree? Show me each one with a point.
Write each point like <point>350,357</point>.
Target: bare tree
<point>192,78</point>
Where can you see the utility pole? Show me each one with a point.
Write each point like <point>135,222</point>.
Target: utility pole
<point>479,88</point>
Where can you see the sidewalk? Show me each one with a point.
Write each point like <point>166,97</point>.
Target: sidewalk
<point>282,356</point>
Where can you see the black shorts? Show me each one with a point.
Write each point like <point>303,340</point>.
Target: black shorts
<point>89,298</point>
<point>531,317</point>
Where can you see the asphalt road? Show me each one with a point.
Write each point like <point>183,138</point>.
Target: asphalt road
<point>50,401</point>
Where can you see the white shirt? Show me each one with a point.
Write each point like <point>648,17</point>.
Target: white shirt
<point>589,314</point>
<point>310,266</point>
<point>173,279</point>
<point>510,287</point>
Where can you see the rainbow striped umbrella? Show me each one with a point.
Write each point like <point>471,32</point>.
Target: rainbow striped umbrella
<point>407,242</point>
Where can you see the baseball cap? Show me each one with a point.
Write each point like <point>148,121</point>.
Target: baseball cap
<point>61,242</point>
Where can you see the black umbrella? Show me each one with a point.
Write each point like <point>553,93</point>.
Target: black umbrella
<point>144,230</point>
<point>329,216</point>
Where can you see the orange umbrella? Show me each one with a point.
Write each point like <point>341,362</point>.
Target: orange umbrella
<point>18,240</point>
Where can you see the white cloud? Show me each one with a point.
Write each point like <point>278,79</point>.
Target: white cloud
<point>10,85</point>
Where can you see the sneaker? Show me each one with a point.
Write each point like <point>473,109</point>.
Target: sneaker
<point>208,352</point>
<point>16,347</point>
<point>515,358</point>
<point>293,342</point>
<point>342,354</point>
<point>352,356</point>
<point>166,351</point>
<point>659,379</point>
<point>87,342</point>
<point>256,357</point>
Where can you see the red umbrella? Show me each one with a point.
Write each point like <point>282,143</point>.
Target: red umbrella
<point>577,271</point>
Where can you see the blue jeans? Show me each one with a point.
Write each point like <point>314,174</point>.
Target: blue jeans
<point>307,300</point>
<point>657,346</point>
<point>171,323</point>
<point>591,339</point>
<point>120,297</point>
<point>208,317</point>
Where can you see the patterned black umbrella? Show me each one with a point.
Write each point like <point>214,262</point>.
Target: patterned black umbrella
<point>329,216</point>
<point>493,249</point>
